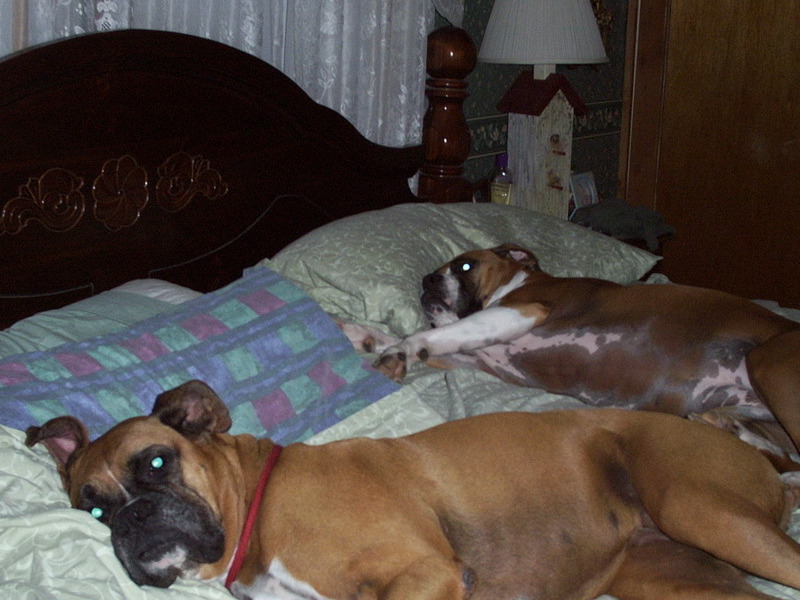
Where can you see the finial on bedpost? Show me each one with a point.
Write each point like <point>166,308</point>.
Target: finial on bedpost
<point>452,56</point>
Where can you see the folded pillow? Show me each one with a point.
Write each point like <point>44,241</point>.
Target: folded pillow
<point>369,267</point>
<point>277,360</point>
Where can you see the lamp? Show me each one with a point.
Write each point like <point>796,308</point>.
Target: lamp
<point>541,105</point>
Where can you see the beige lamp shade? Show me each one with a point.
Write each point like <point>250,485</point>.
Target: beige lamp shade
<point>530,32</point>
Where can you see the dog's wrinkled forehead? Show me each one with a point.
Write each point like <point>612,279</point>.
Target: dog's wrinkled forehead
<point>105,462</point>
<point>467,263</point>
<point>470,262</point>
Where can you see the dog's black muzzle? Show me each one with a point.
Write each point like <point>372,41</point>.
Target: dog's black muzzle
<point>432,281</point>
<point>157,536</point>
<point>432,299</point>
<point>442,307</point>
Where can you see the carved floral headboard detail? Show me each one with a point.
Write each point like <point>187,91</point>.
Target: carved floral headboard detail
<point>121,193</point>
<point>181,177</point>
<point>54,199</point>
<point>176,162</point>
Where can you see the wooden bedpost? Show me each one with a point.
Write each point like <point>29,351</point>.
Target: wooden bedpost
<point>446,138</point>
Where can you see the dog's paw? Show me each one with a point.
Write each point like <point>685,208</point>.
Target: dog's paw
<point>366,339</point>
<point>721,418</point>
<point>392,364</point>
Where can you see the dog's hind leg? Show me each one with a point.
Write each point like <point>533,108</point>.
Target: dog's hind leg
<point>657,568</point>
<point>730,503</point>
<point>774,370</point>
<point>741,527</point>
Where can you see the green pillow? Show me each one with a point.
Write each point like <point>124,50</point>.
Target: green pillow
<point>368,268</point>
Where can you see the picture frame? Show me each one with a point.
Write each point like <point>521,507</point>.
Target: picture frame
<point>584,190</point>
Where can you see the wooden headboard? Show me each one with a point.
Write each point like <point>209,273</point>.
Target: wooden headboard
<point>135,154</point>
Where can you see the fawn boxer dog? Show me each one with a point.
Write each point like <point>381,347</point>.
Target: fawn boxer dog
<point>669,348</point>
<point>565,504</point>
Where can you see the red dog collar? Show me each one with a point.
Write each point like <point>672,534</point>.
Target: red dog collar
<point>247,530</point>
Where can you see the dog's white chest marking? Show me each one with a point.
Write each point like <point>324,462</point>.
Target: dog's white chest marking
<point>516,281</point>
<point>276,584</point>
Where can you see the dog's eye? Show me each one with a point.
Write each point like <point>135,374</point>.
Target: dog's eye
<point>101,514</point>
<point>97,505</point>
<point>156,468</point>
<point>465,266</point>
<point>154,465</point>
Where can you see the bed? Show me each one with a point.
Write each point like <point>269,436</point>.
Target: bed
<point>173,208</point>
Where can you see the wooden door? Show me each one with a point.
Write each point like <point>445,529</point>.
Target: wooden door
<point>714,139</point>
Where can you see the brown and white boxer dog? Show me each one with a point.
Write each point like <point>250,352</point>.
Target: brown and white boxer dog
<point>565,504</point>
<point>669,348</point>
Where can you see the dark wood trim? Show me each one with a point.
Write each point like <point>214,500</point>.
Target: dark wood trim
<point>452,56</point>
<point>645,76</point>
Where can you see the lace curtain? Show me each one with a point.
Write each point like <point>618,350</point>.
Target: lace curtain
<point>363,58</point>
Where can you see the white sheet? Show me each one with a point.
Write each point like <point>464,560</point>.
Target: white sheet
<point>48,550</point>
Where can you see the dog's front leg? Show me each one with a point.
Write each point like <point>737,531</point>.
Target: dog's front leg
<point>495,325</point>
<point>432,578</point>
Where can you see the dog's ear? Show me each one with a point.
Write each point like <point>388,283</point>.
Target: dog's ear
<point>517,253</point>
<point>62,437</point>
<point>192,409</point>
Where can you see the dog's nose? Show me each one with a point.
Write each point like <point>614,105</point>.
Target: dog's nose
<point>134,516</point>
<point>431,280</point>
<point>142,509</point>
<point>135,513</point>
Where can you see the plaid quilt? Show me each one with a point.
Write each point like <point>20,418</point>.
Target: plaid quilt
<point>282,366</point>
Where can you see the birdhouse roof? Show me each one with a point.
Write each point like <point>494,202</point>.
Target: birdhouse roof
<point>529,96</point>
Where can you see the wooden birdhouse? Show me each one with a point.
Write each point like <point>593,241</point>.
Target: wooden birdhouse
<point>540,117</point>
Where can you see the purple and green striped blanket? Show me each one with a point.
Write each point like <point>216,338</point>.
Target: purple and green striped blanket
<point>280,363</point>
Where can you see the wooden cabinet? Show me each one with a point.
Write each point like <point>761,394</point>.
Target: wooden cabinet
<point>712,139</point>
